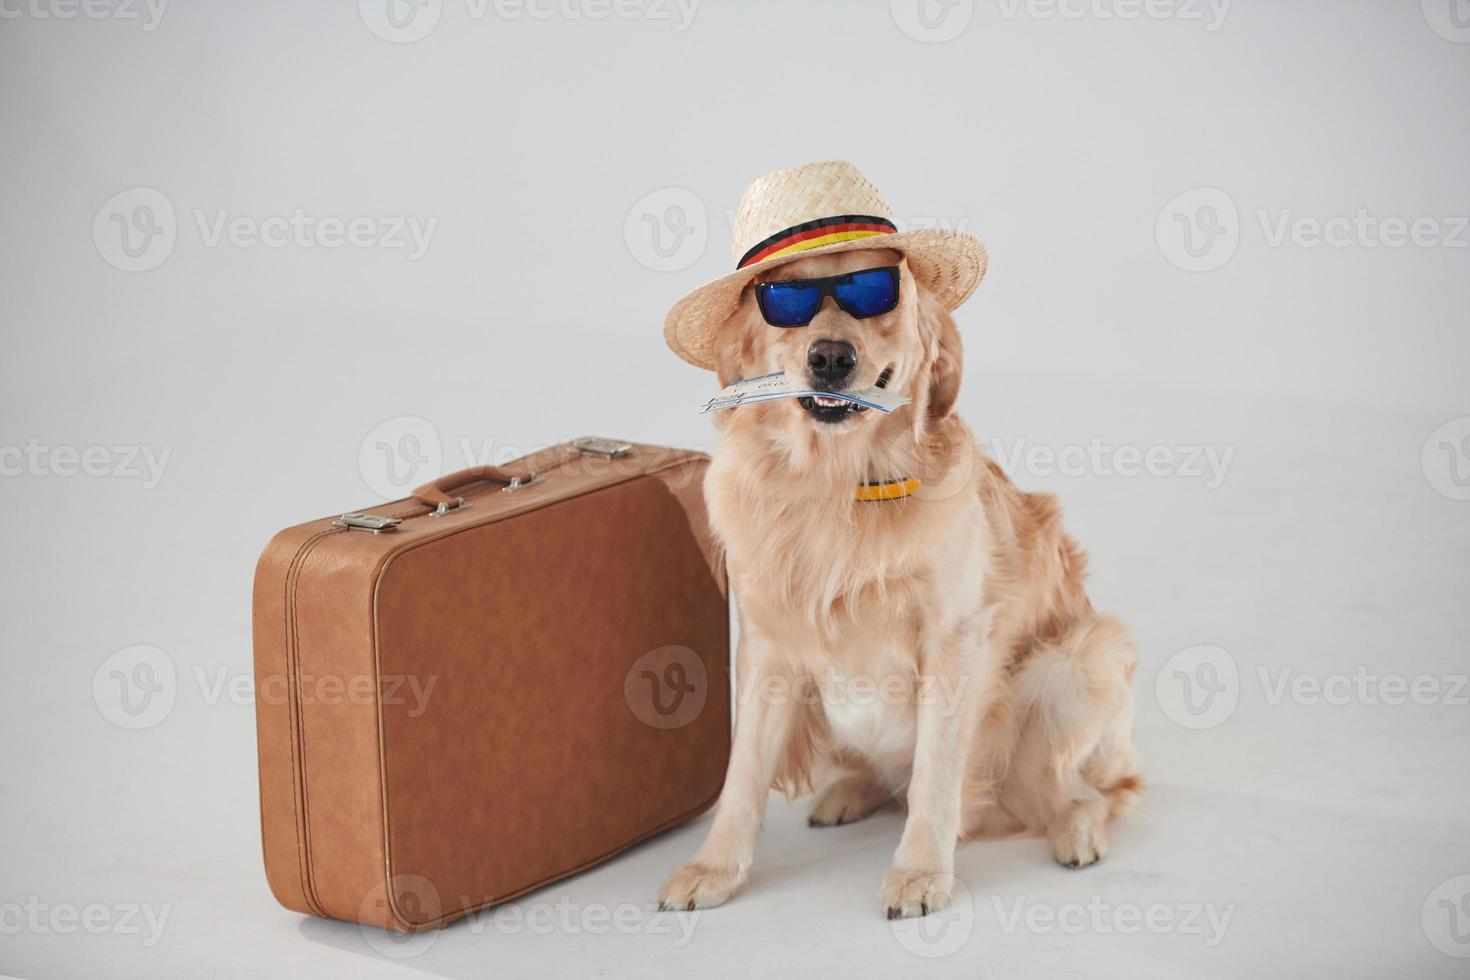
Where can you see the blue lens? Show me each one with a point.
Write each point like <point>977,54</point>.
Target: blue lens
<point>868,293</point>
<point>789,304</point>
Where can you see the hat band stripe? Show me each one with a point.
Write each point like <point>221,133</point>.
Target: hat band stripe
<point>799,238</point>
<point>811,243</point>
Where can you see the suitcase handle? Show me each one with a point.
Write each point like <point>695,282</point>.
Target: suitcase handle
<point>437,492</point>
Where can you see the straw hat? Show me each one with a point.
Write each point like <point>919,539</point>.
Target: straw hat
<point>808,210</point>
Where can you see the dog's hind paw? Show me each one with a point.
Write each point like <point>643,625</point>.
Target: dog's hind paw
<point>699,886</point>
<point>847,801</point>
<point>1076,840</point>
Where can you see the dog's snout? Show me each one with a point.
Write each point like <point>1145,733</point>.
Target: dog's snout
<point>831,361</point>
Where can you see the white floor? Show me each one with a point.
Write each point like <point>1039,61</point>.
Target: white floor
<point>1288,839</point>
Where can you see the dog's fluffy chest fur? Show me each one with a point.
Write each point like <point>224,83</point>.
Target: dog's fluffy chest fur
<point>861,664</point>
<point>801,548</point>
<point>847,592</point>
<point>869,700</point>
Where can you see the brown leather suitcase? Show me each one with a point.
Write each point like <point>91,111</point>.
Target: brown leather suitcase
<point>505,678</point>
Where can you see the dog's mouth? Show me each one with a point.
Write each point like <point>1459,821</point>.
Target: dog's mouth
<point>830,410</point>
<point>833,410</point>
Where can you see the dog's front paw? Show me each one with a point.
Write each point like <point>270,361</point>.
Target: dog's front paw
<point>699,886</point>
<point>911,893</point>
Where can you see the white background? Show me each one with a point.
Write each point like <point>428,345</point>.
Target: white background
<point>544,149</point>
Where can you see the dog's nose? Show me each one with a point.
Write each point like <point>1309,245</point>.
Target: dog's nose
<point>831,360</point>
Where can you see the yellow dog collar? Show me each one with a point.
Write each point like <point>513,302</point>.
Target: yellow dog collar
<point>888,489</point>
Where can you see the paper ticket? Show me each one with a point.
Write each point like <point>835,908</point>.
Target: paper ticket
<point>769,387</point>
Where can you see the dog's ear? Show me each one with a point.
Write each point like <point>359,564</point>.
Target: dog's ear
<point>943,361</point>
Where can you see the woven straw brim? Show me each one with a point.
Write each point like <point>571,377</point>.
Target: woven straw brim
<point>949,264</point>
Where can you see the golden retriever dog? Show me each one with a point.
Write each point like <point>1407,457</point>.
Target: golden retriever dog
<point>935,650</point>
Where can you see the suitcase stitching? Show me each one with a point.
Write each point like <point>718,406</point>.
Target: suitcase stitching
<point>286,632</point>
<point>298,758</point>
<point>298,735</point>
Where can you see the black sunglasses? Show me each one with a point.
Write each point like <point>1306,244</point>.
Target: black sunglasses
<point>861,294</point>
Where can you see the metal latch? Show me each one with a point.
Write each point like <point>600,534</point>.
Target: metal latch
<point>521,482</point>
<point>459,504</point>
<point>376,523</point>
<point>606,448</point>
